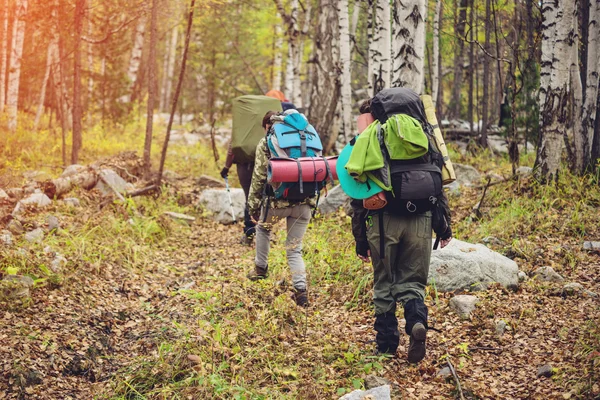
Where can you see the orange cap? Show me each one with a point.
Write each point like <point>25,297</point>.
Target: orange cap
<point>276,94</point>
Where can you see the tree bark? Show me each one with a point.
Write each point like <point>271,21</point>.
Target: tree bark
<point>186,47</point>
<point>554,95</point>
<point>345,62</point>
<point>77,108</point>
<point>278,56</point>
<point>472,70</point>
<point>435,64</point>
<point>170,72</point>
<point>325,86</point>
<point>591,104</point>
<point>409,44</point>
<point>380,46</point>
<point>136,57</point>
<point>486,79</point>
<point>4,55</point>
<point>52,47</point>
<point>151,87</point>
<point>459,31</point>
<point>14,70</point>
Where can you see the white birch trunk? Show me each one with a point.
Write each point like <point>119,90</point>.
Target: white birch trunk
<point>380,49</point>
<point>588,120</point>
<point>4,55</point>
<point>14,70</point>
<point>345,62</point>
<point>289,73</point>
<point>558,23</point>
<point>371,54</point>
<point>163,85</point>
<point>355,16</point>
<point>435,77</point>
<point>575,127</point>
<point>298,99</point>
<point>278,58</point>
<point>171,65</point>
<point>409,44</point>
<point>135,58</point>
<point>52,48</point>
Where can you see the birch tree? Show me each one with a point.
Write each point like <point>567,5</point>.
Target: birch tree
<point>459,31</point>
<point>77,107</point>
<point>380,47</point>
<point>170,72</point>
<point>135,58</point>
<point>277,56</point>
<point>14,70</point>
<point>557,26</point>
<point>435,70</point>
<point>52,48</point>
<point>151,87</point>
<point>3,54</point>
<point>345,62</point>
<point>409,44</point>
<point>325,91</point>
<point>591,103</point>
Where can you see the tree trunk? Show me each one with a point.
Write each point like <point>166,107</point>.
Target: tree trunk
<point>325,86</point>
<point>409,44</point>
<point>14,70</point>
<point>459,31</point>
<point>186,47</point>
<point>298,59</point>
<point>288,88</point>
<point>162,103</point>
<point>52,47</point>
<point>558,20</point>
<point>472,70</point>
<point>591,104</point>
<point>278,56</point>
<point>371,54</point>
<point>151,87</point>
<point>435,64</point>
<point>170,72</point>
<point>136,57</point>
<point>486,79</point>
<point>4,55</point>
<point>77,109</point>
<point>380,47</point>
<point>345,62</point>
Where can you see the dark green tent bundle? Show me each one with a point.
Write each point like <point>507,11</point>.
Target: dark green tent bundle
<point>248,113</point>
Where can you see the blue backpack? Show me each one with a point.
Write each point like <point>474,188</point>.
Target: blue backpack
<point>292,137</point>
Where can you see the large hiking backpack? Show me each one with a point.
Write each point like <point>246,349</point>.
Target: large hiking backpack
<point>248,112</point>
<point>292,137</point>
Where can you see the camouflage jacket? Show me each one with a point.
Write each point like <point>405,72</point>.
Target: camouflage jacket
<point>256,197</point>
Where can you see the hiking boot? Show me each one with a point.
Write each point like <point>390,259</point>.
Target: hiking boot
<point>246,240</point>
<point>416,347</point>
<point>257,274</point>
<point>388,336</point>
<point>300,296</point>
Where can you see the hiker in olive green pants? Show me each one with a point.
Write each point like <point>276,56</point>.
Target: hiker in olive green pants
<point>401,275</point>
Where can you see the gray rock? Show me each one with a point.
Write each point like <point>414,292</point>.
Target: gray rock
<point>72,201</point>
<point>216,202</point>
<point>36,175</point>
<point>35,236</point>
<point>444,373</point>
<point>492,240</point>
<point>572,289</point>
<point>209,181</point>
<point>545,371</point>
<point>118,183</point>
<point>547,274</point>
<point>53,223</point>
<point>454,188</point>
<point>3,195</point>
<point>186,219</point>
<point>335,199</point>
<point>462,265</point>
<point>524,171</point>
<point>378,393</point>
<point>373,381</point>
<point>591,294</point>
<point>15,287</point>
<point>58,263</point>
<point>501,327</point>
<point>522,276</point>
<point>72,170</point>
<point>466,174</point>
<point>37,199</point>
<point>591,246</point>
<point>14,226</point>
<point>463,304</point>
<point>6,238</point>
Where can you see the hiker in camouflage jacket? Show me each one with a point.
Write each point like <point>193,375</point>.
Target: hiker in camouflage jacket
<point>267,211</point>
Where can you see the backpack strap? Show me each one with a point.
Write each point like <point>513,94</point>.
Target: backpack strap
<point>329,174</point>
<point>302,134</point>
<point>300,180</point>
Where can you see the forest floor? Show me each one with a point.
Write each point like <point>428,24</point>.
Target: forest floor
<point>149,308</point>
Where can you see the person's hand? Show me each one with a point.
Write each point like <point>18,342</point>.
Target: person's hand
<point>363,252</point>
<point>445,242</point>
<point>254,217</point>
<point>224,172</point>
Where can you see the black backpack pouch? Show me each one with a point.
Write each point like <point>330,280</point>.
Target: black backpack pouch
<point>416,188</point>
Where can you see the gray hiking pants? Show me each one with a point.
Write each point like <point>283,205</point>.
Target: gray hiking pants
<point>297,218</point>
<point>401,273</point>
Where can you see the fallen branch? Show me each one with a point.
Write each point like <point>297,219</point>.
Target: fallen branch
<point>476,211</point>
<point>488,184</point>
<point>456,380</point>
<point>144,191</point>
